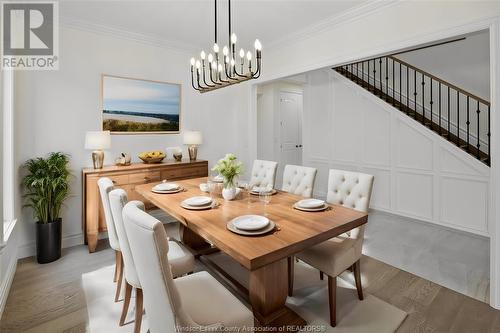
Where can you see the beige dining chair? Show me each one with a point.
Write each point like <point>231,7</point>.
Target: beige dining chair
<point>105,186</point>
<point>299,180</point>
<point>181,260</point>
<point>263,173</point>
<point>195,302</point>
<point>352,190</point>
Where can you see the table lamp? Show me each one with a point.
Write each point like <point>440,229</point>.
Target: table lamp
<point>97,141</point>
<point>192,139</point>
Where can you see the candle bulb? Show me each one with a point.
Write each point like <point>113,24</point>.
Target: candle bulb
<point>242,53</point>
<point>192,62</point>
<point>225,50</point>
<point>202,55</point>
<point>257,45</point>
<point>249,55</point>
<point>210,57</point>
<point>216,48</point>
<point>198,64</point>
<point>234,39</point>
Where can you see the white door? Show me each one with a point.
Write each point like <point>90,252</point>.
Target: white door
<point>290,128</point>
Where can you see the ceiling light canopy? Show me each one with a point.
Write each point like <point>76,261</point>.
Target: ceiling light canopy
<point>219,71</point>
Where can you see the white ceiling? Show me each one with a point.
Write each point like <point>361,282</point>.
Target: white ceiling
<point>190,23</point>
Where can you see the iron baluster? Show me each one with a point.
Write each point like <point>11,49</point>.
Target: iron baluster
<point>468,123</point>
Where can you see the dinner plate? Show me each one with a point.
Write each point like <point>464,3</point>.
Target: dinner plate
<point>198,201</point>
<point>250,222</point>
<point>167,192</point>
<point>166,187</point>
<point>186,206</point>
<point>310,203</point>
<point>273,192</point>
<point>270,227</point>
<point>318,209</point>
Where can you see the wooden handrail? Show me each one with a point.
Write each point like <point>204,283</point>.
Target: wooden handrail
<point>466,93</point>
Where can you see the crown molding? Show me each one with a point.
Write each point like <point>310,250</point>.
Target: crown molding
<point>324,25</point>
<point>148,39</point>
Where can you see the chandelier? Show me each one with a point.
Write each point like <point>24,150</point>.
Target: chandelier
<point>214,71</point>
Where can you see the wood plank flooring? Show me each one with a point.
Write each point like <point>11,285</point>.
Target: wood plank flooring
<point>50,298</point>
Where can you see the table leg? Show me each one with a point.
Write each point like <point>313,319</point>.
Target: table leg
<point>92,242</point>
<point>191,239</point>
<point>268,291</point>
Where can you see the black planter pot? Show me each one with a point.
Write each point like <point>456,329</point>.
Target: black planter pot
<point>48,241</point>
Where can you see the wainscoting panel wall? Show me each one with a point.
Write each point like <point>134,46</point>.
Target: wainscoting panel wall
<point>418,174</point>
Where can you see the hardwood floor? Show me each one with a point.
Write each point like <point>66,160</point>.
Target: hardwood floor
<point>50,298</point>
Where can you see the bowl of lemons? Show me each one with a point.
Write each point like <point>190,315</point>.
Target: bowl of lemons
<point>152,156</point>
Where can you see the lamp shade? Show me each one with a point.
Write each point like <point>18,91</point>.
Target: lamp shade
<point>95,140</point>
<point>193,138</point>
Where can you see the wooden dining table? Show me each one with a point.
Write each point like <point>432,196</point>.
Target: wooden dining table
<point>266,256</point>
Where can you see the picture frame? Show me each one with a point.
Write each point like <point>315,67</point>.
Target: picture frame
<point>140,106</point>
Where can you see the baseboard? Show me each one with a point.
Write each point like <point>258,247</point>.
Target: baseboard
<point>7,282</point>
<point>29,249</point>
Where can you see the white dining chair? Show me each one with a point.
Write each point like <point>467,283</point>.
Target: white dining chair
<point>299,180</point>
<point>105,186</point>
<point>263,173</point>
<point>351,190</point>
<point>194,302</point>
<point>182,261</point>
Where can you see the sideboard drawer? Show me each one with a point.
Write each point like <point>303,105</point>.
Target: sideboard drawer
<point>118,179</point>
<point>144,177</point>
<point>183,173</point>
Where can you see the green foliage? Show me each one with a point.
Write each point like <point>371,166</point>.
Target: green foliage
<point>228,168</point>
<point>47,185</point>
<point>114,125</point>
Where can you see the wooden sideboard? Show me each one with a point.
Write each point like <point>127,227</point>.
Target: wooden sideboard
<point>127,177</point>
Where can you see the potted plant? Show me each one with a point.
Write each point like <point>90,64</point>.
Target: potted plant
<point>47,187</point>
<point>229,168</point>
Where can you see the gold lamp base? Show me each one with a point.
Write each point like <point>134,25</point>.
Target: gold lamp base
<point>98,159</point>
<point>193,152</point>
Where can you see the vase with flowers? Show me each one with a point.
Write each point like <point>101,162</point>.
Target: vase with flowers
<point>229,168</point>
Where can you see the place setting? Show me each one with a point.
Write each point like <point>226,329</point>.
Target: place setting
<point>167,188</point>
<point>199,203</point>
<point>258,190</point>
<point>311,205</point>
<point>251,225</point>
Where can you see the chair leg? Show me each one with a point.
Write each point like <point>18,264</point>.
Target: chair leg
<point>357,278</point>
<point>321,275</point>
<point>117,259</point>
<point>119,267</point>
<point>138,310</point>
<point>126,302</point>
<point>332,297</point>
<point>290,275</point>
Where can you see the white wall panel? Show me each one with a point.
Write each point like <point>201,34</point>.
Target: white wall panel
<point>464,203</point>
<point>381,195</point>
<point>414,195</point>
<point>414,148</point>
<point>377,134</point>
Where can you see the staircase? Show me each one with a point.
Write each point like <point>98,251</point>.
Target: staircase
<point>457,115</point>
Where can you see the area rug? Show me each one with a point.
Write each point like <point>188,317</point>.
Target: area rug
<point>103,312</point>
<point>310,301</point>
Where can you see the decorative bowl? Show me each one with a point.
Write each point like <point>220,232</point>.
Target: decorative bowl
<point>152,156</point>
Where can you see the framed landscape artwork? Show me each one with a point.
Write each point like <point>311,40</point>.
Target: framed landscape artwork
<point>133,106</point>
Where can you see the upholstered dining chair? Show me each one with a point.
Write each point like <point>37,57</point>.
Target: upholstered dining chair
<point>105,186</point>
<point>352,190</point>
<point>194,302</point>
<point>263,173</point>
<point>299,180</point>
<point>180,259</point>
